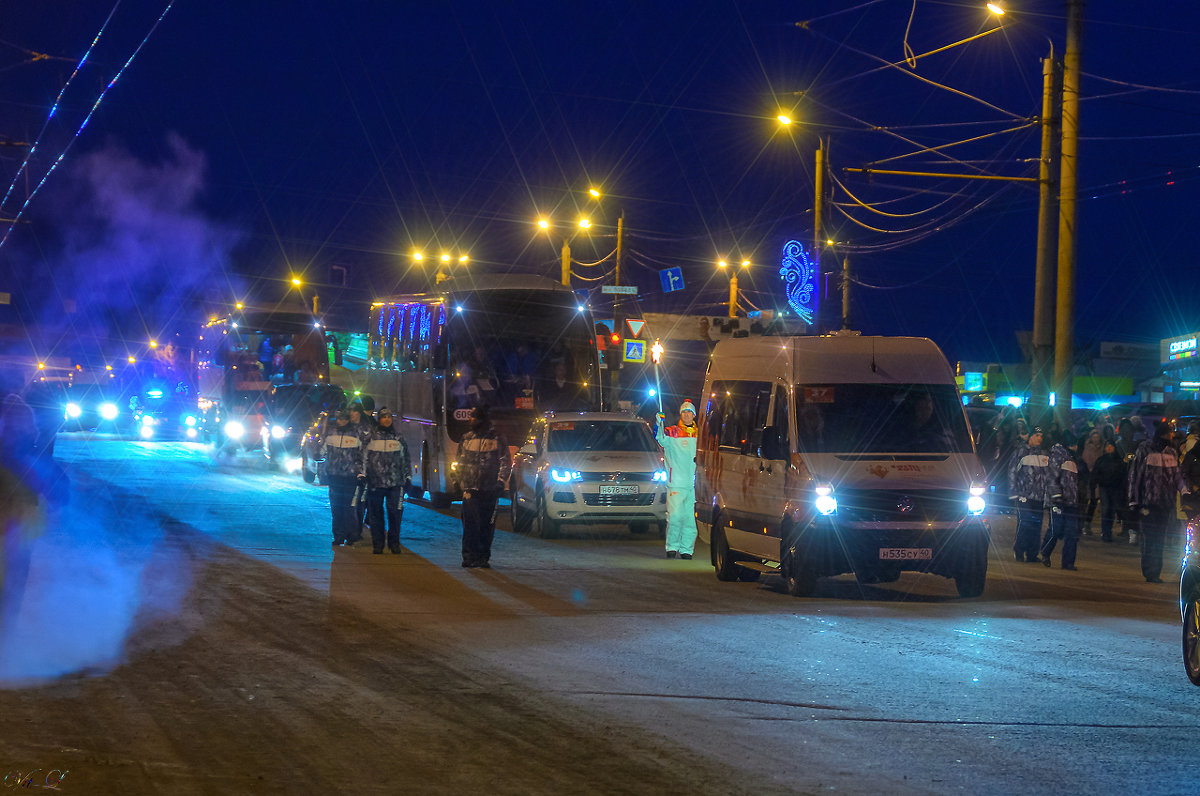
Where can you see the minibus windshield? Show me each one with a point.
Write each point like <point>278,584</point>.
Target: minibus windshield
<point>880,418</point>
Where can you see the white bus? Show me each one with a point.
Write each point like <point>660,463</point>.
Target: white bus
<point>522,345</point>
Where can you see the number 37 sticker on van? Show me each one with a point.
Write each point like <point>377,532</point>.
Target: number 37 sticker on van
<point>818,395</point>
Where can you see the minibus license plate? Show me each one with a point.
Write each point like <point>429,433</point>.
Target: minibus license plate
<point>905,553</point>
<point>618,489</point>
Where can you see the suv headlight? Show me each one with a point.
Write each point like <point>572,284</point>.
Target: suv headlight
<point>566,476</point>
<point>660,475</point>
<point>234,429</point>
<point>975,503</point>
<point>825,502</point>
<point>278,432</point>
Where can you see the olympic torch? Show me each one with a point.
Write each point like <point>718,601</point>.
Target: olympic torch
<point>656,352</point>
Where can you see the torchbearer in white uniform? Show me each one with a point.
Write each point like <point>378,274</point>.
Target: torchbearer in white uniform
<point>679,445</point>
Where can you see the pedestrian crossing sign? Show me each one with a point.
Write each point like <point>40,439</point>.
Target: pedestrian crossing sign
<point>635,351</point>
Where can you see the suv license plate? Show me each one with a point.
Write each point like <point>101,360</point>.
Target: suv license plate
<point>905,553</point>
<point>618,489</point>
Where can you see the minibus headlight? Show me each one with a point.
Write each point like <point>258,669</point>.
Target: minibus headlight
<point>825,502</point>
<point>976,505</point>
<point>278,432</point>
<point>108,411</point>
<point>234,429</point>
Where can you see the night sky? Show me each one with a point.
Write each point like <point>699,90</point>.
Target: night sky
<point>249,141</point>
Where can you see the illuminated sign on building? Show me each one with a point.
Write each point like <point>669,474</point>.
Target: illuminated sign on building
<point>973,382</point>
<point>799,280</point>
<point>1182,349</point>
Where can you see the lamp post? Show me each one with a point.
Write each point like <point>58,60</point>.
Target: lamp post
<point>583,225</point>
<point>724,266</point>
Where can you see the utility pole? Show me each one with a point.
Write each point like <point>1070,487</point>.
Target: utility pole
<point>819,190</point>
<point>1043,295</point>
<point>846,293</point>
<point>618,319</point>
<point>1064,342</point>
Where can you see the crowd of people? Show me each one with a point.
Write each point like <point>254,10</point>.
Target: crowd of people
<point>1147,480</point>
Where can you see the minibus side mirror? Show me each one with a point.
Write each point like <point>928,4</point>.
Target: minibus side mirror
<point>773,446</point>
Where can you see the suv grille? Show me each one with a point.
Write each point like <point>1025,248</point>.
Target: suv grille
<point>642,499</point>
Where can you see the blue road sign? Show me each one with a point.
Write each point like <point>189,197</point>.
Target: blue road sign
<point>635,351</point>
<point>672,279</point>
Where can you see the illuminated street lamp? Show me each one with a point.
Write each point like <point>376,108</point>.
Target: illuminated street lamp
<point>444,261</point>
<point>723,266</point>
<point>996,9</point>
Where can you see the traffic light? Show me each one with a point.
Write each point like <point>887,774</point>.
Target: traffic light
<point>614,351</point>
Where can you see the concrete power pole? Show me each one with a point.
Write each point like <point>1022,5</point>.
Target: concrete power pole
<point>1043,296</point>
<point>1064,341</point>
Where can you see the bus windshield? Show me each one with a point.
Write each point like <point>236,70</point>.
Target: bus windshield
<point>523,350</point>
<point>881,418</point>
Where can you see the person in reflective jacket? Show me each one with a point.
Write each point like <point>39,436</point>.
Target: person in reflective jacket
<point>1155,481</point>
<point>484,465</point>
<point>389,473</point>
<point>679,446</point>
<point>1064,501</point>
<point>1029,480</point>
<point>342,449</point>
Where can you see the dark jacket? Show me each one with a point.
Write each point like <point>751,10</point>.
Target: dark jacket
<point>1109,470</point>
<point>387,461</point>
<point>1154,478</point>
<point>483,460</point>
<point>1029,474</point>
<point>343,452</point>
<point>1064,476</point>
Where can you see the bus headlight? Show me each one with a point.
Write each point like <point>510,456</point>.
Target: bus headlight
<point>234,429</point>
<point>825,502</point>
<point>74,410</point>
<point>109,411</point>
<point>278,432</point>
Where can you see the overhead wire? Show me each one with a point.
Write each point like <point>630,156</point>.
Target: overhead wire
<point>104,92</point>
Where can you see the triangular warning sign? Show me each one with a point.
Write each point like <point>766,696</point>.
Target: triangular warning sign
<point>635,326</point>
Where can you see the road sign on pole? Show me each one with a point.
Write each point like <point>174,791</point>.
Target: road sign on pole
<point>671,278</point>
<point>635,351</point>
<point>635,326</point>
<point>620,290</point>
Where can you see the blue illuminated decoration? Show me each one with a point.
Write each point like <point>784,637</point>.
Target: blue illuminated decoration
<point>800,281</point>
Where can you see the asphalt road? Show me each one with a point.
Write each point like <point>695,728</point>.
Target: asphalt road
<point>185,627</point>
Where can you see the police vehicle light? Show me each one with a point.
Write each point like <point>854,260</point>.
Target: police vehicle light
<point>109,411</point>
<point>566,476</point>
<point>189,421</point>
<point>74,410</point>
<point>191,433</point>
<point>234,429</point>
<point>147,431</point>
<point>278,432</point>
<point>660,475</point>
<point>825,503</point>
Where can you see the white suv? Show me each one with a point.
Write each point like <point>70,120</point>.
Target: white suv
<point>589,467</point>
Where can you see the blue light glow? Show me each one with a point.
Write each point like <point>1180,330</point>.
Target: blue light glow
<point>799,275</point>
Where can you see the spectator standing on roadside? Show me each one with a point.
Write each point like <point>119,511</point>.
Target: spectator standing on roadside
<point>1089,451</point>
<point>1155,482</point>
<point>1029,475</point>
<point>1064,497</point>
<point>1109,475</point>
<point>483,468</point>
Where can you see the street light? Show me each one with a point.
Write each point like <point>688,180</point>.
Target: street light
<point>444,261</point>
<point>996,9</point>
<point>733,284</point>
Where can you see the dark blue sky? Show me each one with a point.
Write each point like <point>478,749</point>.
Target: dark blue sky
<point>248,140</point>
